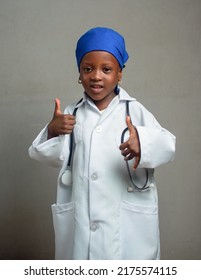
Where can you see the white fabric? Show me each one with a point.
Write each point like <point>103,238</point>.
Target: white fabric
<point>98,218</point>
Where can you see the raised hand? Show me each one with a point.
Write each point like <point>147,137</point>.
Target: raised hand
<point>131,148</point>
<point>61,123</point>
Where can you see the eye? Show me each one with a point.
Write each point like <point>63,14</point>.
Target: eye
<point>87,69</point>
<point>107,70</point>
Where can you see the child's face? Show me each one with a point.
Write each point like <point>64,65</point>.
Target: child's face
<point>100,73</point>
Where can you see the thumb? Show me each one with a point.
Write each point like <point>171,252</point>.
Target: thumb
<point>57,109</point>
<point>129,124</point>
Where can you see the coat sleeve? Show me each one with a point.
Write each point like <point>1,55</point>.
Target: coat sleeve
<point>157,144</point>
<point>52,151</point>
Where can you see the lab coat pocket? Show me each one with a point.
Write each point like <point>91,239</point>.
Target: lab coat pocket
<point>63,221</point>
<point>139,231</point>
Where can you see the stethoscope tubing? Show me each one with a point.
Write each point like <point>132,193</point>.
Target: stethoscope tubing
<point>145,186</point>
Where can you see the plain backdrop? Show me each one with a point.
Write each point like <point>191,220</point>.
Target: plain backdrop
<point>37,64</point>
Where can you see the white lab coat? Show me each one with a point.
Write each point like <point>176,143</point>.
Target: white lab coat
<point>97,218</point>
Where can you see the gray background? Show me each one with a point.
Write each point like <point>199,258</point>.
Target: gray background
<point>37,64</point>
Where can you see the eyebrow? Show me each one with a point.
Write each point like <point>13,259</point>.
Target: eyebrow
<point>109,63</point>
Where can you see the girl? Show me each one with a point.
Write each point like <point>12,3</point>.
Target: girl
<point>112,144</point>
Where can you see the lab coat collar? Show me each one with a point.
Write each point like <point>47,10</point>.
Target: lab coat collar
<point>123,96</point>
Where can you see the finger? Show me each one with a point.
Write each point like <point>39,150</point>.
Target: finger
<point>125,152</point>
<point>66,131</point>
<point>57,109</point>
<point>130,125</point>
<point>129,156</point>
<point>123,146</point>
<point>126,145</point>
<point>69,117</point>
<point>68,122</point>
<point>65,128</point>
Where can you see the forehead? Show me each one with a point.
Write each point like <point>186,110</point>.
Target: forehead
<point>99,57</point>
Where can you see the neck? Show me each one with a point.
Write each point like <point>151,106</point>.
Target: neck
<point>103,103</point>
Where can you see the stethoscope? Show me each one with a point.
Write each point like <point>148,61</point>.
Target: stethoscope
<point>134,186</point>
<point>66,176</point>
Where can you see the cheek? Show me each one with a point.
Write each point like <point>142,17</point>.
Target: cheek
<point>84,85</point>
<point>114,80</point>
<point>84,80</point>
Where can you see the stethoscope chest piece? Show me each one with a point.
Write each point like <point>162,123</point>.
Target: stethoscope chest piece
<point>130,189</point>
<point>66,178</point>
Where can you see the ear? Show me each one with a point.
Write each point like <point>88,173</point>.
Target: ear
<point>120,74</point>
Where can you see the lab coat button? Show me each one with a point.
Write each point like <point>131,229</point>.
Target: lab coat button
<point>98,129</point>
<point>93,226</point>
<point>94,176</point>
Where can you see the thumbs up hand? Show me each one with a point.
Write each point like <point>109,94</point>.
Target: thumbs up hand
<point>131,148</point>
<point>61,123</point>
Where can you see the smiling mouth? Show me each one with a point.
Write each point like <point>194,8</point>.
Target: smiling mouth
<point>96,86</point>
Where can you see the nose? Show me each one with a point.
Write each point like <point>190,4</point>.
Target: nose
<point>96,75</point>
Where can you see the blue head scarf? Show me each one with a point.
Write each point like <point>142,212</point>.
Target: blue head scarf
<point>102,39</point>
